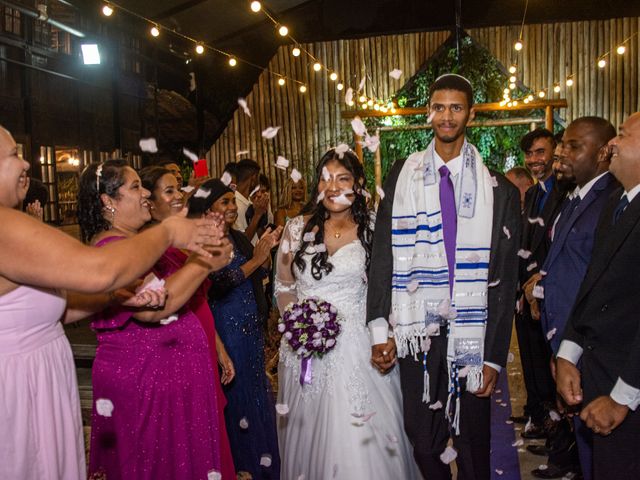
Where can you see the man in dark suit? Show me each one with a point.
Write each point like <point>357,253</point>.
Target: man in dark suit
<point>426,425</point>
<point>586,155</point>
<point>603,331</point>
<point>542,205</point>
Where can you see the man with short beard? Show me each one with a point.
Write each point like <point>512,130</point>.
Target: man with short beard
<point>443,279</point>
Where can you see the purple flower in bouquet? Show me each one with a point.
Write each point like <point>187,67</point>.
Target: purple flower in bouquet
<point>310,327</point>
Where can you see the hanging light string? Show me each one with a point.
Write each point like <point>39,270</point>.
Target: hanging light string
<point>199,46</point>
<point>571,78</point>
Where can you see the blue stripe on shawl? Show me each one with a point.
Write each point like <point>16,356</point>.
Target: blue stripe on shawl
<point>413,272</point>
<point>405,245</point>
<point>472,249</point>
<point>412,231</point>
<point>399,217</point>
<point>472,266</point>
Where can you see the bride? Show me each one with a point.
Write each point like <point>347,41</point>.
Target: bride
<point>347,422</point>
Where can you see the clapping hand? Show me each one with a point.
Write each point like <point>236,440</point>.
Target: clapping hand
<point>35,210</point>
<point>268,240</point>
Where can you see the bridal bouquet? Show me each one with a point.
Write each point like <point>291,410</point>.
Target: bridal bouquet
<point>310,328</point>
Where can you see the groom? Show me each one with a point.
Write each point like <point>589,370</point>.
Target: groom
<point>443,280</point>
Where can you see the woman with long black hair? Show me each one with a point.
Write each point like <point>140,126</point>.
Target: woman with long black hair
<point>344,418</point>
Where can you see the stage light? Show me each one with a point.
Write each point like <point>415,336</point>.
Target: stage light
<point>90,54</point>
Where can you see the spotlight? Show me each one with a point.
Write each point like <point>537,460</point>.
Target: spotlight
<point>295,52</point>
<point>232,62</point>
<point>155,32</point>
<point>317,67</point>
<point>256,6</point>
<point>281,81</point>
<point>333,76</point>
<point>518,45</point>
<point>90,54</point>
<point>199,49</point>
<point>283,31</point>
<point>107,10</point>
<point>303,88</point>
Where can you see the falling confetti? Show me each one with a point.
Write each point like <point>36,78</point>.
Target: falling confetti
<point>309,237</point>
<point>326,176</point>
<point>168,320</point>
<point>320,197</point>
<point>537,220</point>
<point>188,189</point>
<point>190,155</point>
<point>506,232</point>
<point>270,132</point>
<point>358,127</point>
<point>524,253</point>
<point>372,142</point>
<point>531,266</point>
<point>148,145</point>
<point>436,406</point>
<point>498,471</point>
<point>348,96</point>
<point>510,357</point>
<point>243,104</point>
<point>265,460</point>
<point>282,163</point>
<point>285,247</point>
<point>321,247</point>
<point>430,117</point>
<point>494,283</point>
<point>202,193</point>
<point>553,415</point>
<point>396,73</point>
<point>412,286</point>
<point>244,423</point>
<point>341,199</point>
<point>254,191</point>
<point>296,176</point>
<point>214,475</point>
<point>551,333</point>
<point>362,82</point>
<point>242,152</point>
<point>538,292</point>
<point>380,192</point>
<point>449,455</point>
<point>226,178</point>
<point>104,407</point>
<point>341,149</point>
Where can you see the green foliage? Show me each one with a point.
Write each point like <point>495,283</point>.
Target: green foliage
<point>488,78</point>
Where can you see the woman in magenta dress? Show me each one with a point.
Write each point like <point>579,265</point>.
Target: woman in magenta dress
<point>156,405</point>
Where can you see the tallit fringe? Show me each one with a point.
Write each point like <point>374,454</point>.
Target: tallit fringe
<point>475,379</point>
<point>426,397</point>
<point>409,343</point>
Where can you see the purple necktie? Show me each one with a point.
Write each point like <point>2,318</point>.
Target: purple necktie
<point>449,220</point>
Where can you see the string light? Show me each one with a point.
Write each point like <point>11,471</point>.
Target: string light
<point>602,63</point>
<point>256,6</point>
<point>317,67</point>
<point>569,82</point>
<point>518,45</point>
<point>350,103</point>
<point>333,76</point>
<point>515,103</point>
<point>295,52</point>
<point>303,88</point>
<point>512,86</point>
<point>199,49</point>
<point>155,31</point>
<point>376,107</point>
<point>283,31</point>
<point>364,106</point>
<point>281,81</point>
<point>541,94</point>
<point>339,86</point>
<point>362,99</point>
<point>621,49</point>
<point>370,103</point>
<point>512,79</point>
<point>556,88</point>
<point>513,69</point>
<point>107,10</point>
<point>232,61</point>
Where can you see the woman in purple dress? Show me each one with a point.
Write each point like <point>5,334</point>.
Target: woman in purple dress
<point>155,412</point>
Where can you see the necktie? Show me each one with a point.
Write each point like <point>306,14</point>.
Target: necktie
<point>449,220</point>
<point>566,213</point>
<point>622,204</point>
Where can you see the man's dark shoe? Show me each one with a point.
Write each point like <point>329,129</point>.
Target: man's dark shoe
<point>541,450</point>
<point>552,471</point>
<point>519,419</point>
<point>534,432</point>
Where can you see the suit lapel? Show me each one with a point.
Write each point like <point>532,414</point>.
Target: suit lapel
<point>547,214</point>
<point>613,236</point>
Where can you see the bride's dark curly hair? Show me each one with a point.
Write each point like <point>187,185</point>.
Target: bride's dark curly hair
<point>360,214</point>
<point>90,207</point>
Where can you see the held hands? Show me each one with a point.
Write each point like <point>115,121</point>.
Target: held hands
<point>269,239</point>
<point>383,355</point>
<point>192,235</point>
<point>604,414</point>
<point>528,294</point>
<point>489,379</point>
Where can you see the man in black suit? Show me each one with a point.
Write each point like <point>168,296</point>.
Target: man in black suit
<point>542,205</point>
<point>603,332</point>
<point>426,425</point>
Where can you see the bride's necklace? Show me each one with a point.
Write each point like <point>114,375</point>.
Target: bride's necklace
<point>333,231</point>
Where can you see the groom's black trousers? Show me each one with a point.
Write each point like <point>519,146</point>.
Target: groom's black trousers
<point>428,430</point>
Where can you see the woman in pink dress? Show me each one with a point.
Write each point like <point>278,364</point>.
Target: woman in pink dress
<point>39,403</point>
<point>156,409</point>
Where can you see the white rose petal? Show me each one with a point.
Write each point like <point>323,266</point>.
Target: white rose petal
<point>148,145</point>
<point>348,96</point>
<point>242,152</point>
<point>270,132</point>
<point>449,455</point>
<point>524,253</point>
<point>226,178</point>
<point>282,163</point>
<point>309,237</point>
<point>190,155</point>
<point>244,423</point>
<point>537,220</point>
<point>538,292</point>
<point>510,357</point>
<point>506,232</point>
<point>494,284</point>
<point>531,266</point>
<point>494,182</point>
<point>396,73</point>
<point>243,104</point>
<point>104,407</point>
<point>436,406</point>
<point>202,193</point>
<point>265,460</point>
<point>169,319</point>
<point>358,127</point>
<point>551,333</point>
<point>214,475</point>
<point>282,408</point>
<point>380,192</point>
<point>321,247</point>
<point>341,149</point>
<point>296,176</point>
<point>188,189</point>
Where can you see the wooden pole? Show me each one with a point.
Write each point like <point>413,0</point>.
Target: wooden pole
<point>358,140</point>
<point>548,118</point>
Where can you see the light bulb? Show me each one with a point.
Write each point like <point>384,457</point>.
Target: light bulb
<point>510,104</point>
<point>364,106</point>
<point>602,63</point>
<point>199,49</point>
<point>317,67</point>
<point>362,99</point>
<point>303,88</point>
<point>503,103</point>
<point>376,107</point>
<point>384,109</point>
<point>281,81</point>
<point>512,79</point>
<point>541,94</point>
<point>295,52</point>
<point>256,6</point>
<point>530,97</point>
<point>556,88</point>
<point>518,45</point>
<point>351,103</point>
<point>333,76</point>
<point>506,90</point>
<point>621,49</point>
<point>107,11</point>
<point>393,110</point>
<point>370,103</point>
<point>569,82</point>
<point>512,69</point>
<point>512,86</point>
<point>526,100</point>
<point>515,103</point>
<point>283,31</point>
<point>155,32</point>
<point>339,86</point>
<point>232,62</point>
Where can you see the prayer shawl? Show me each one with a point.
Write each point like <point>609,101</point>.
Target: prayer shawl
<point>421,303</point>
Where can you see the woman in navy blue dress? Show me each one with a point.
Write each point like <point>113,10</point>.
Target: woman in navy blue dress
<point>240,308</point>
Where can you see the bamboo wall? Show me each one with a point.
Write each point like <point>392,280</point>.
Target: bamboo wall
<point>311,121</point>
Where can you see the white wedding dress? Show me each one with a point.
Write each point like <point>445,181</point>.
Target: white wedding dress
<point>348,423</point>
